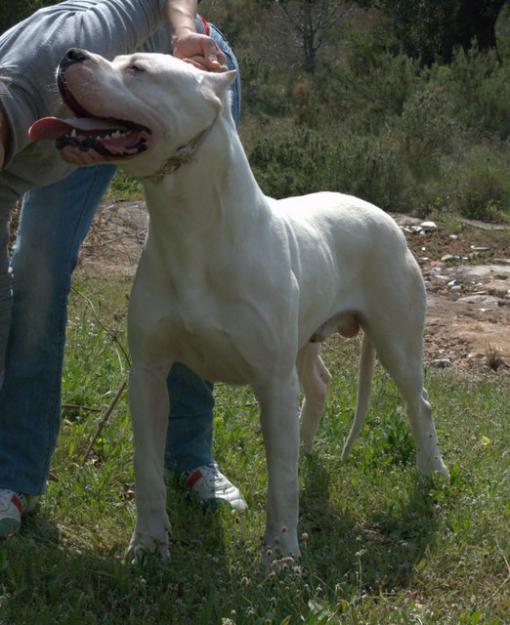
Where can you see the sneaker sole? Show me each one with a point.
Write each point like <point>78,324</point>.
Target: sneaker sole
<point>218,503</point>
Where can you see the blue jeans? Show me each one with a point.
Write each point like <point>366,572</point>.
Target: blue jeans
<point>53,223</point>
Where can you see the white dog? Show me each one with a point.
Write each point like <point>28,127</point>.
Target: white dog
<point>240,287</point>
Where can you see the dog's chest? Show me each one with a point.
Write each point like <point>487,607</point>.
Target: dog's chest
<point>209,345</point>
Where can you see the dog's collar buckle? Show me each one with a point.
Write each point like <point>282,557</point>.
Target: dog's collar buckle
<point>184,155</point>
<point>172,164</point>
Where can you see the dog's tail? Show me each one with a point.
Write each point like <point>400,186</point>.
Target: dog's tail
<point>366,370</point>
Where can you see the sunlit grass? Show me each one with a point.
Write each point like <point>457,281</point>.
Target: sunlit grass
<point>380,545</point>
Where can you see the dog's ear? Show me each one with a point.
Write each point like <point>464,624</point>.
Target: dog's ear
<point>215,84</point>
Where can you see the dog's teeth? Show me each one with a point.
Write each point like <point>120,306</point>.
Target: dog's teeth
<point>73,132</point>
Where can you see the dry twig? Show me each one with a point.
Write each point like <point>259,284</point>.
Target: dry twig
<point>103,421</point>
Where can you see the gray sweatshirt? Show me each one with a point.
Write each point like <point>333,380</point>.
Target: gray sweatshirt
<point>29,55</point>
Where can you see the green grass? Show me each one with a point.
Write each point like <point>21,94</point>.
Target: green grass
<point>380,544</point>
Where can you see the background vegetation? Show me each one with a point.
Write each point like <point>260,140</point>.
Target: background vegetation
<point>410,127</point>
<point>404,103</point>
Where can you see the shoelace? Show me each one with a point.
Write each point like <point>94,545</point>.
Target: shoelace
<point>211,475</point>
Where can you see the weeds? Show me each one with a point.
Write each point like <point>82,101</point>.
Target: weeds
<point>379,544</point>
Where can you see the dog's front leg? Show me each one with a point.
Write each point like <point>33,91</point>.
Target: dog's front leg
<point>280,427</point>
<point>148,397</point>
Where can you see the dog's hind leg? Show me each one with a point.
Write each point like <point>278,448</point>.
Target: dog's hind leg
<point>400,351</point>
<point>314,378</point>
<point>148,396</point>
<point>366,370</point>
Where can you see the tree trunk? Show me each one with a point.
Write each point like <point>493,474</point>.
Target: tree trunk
<point>308,37</point>
<point>476,21</point>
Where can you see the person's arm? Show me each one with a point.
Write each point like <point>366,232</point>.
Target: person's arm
<point>187,44</point>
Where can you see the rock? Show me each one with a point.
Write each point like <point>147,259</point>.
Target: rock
<point>482,300</point>
<point>441,363</point>
<point>405,220</point>
<point>447,257</point>
<point>483,271</point>
<point>440,278</point>
<point>429,226</point>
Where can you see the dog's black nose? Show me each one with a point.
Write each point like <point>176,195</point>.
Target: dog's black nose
<point>74,55</point>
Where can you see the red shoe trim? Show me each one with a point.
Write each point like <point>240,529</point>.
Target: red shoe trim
<point>193,478</point>
<point>16,501</point>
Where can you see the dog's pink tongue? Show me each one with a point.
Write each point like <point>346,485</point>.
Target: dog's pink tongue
<point>53,128</point>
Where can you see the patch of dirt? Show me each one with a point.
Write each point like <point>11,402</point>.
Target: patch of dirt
<point>467,275</point>
<point>115,240</point>
<point>466,267</point>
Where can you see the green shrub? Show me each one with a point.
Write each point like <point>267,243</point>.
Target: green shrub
<point>369,93</point>
<point>14,11</point>
<point>292,160</point>
<point>368,167</point>
<point>404,138</point>
<point>124,187</point>
<point>480,185</point>
<point>479,87</point>
<point>429,128</point>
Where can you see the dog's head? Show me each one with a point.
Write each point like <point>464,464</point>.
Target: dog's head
<point>138,111</point>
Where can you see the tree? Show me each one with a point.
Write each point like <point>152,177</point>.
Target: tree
<point>13,11</point>
<point>435,28</point>
<point>313,23</point>
<point>477,21</point>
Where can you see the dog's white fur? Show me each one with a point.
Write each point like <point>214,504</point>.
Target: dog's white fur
<point>235,285</point>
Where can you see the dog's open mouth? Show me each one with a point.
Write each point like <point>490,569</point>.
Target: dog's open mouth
<point>109,137</point>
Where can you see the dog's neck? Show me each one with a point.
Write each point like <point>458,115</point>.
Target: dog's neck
<point>214,191</point>
<point>203,216</point>
<point>182,156</point>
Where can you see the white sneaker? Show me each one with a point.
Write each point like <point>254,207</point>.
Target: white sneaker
<point>12,507</point>
<point>210,487</point>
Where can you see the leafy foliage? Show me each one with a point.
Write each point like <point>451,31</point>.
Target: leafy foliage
<point>13,11</point>
<point>380,126</point>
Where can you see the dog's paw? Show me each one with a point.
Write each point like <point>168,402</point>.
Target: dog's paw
<point>281,551</point>
<point>286,565</point>
<point>275,561</point>
<point>429,466</point>
<point>143,548</point>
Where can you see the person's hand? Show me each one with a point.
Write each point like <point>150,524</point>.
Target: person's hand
<point>199,50</point>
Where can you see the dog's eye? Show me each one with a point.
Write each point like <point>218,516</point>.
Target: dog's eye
<point>136,69</point>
